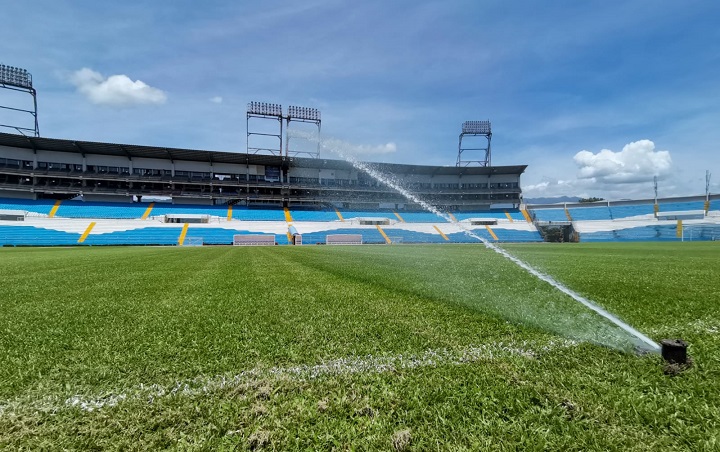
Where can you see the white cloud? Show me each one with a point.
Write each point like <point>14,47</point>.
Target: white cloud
<point>216,100</point>
<point>357,150</point>
<point>626,174</point>
<point>116,90</point>
<point>637,162</point>
<point>555,187</point>
<point>387,148</point>
<point>344,148</point>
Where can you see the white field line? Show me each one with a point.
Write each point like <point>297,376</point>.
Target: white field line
<point>338,367</point>
<point>707,325</point>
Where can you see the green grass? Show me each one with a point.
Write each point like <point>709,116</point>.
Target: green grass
<point>423,347</point>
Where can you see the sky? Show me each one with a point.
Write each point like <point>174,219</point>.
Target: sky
<point>596,97</point>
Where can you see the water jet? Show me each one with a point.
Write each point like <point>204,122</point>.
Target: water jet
<point>641,342</point>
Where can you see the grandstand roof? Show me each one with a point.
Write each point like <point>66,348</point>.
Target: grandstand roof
<point>154,152</point>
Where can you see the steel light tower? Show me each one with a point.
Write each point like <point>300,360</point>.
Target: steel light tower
<point>17,79</point>
<point>307,115</point>
<point>474,129</point>
<point>264,111</point>
<point>707,190</point>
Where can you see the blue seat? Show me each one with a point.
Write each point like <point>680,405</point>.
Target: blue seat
<point>222,236</point>
<point>34,236</point>
<point>513,235</point>
<point>633,210</point>
<point>188,209</point>
<point>554,214</point>
<point>367,213</point>
<point>368,235</point>
<point>314,215</point>
<point>256,214</point>
<point>681,206</point>
<point>89,209</point>
<point>420,217</point>
<point>141,236</point>
<point>590,213</point>
<point>40,206</point>
<point>493,213</point>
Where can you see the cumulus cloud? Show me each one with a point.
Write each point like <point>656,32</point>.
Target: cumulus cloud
<point>608,174</point>
<point>116,90</point>
<point>216,99</point>
<point>553,187</point>
<point>637,162</point>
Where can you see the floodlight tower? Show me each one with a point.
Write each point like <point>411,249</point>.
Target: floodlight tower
<point>474,129</point>
<point>16,79</point>
<point>707,190</point>
<point>302,114</point>
<point>656,206</point>
<point>265,111</point>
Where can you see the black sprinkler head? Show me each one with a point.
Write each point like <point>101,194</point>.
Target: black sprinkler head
<point>674,351</point>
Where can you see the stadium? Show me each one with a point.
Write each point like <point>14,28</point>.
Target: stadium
<point>64,192</point>
<point>137,316</point>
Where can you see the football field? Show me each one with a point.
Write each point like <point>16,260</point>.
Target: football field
<point>402,347</point>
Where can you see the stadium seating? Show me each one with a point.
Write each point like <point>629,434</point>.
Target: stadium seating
<point>590,213</point>
<point>369,235</point>
<point>497,214</point>
<point>636,234</point>
<point>35,236</point>
<point>633,210</point>
<point>599,236</point>
<point>140,236</point>
<point>224,236</point>
<point>514,235</point>
<point>408,236</point>
<point>40,206</point>
<point>81,209</point>
<point>420,217</point>
<point>254,214</point>
<point>104,223</point>
<point>348,214</point>
<point>214,236</point>
<point>314,215</point>
<point>681,206</point>
<point>161,209</point>
<point>466,237</point>
<point>554,214</point>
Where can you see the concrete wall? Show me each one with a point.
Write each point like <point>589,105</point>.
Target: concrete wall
<point>17,194</point>
<point>108,198</point>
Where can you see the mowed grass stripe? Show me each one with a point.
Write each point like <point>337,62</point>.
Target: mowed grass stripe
<point>352,365</point>
<point>115,317</point>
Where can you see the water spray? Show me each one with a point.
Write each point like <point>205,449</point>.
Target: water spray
<point>645,344</point>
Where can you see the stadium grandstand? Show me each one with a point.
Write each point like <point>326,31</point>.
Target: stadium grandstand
<point>64,192</point>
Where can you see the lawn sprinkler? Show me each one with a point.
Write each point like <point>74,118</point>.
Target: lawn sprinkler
<point>674,351</point>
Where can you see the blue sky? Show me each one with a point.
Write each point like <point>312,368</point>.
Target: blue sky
<point>633,84</point>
